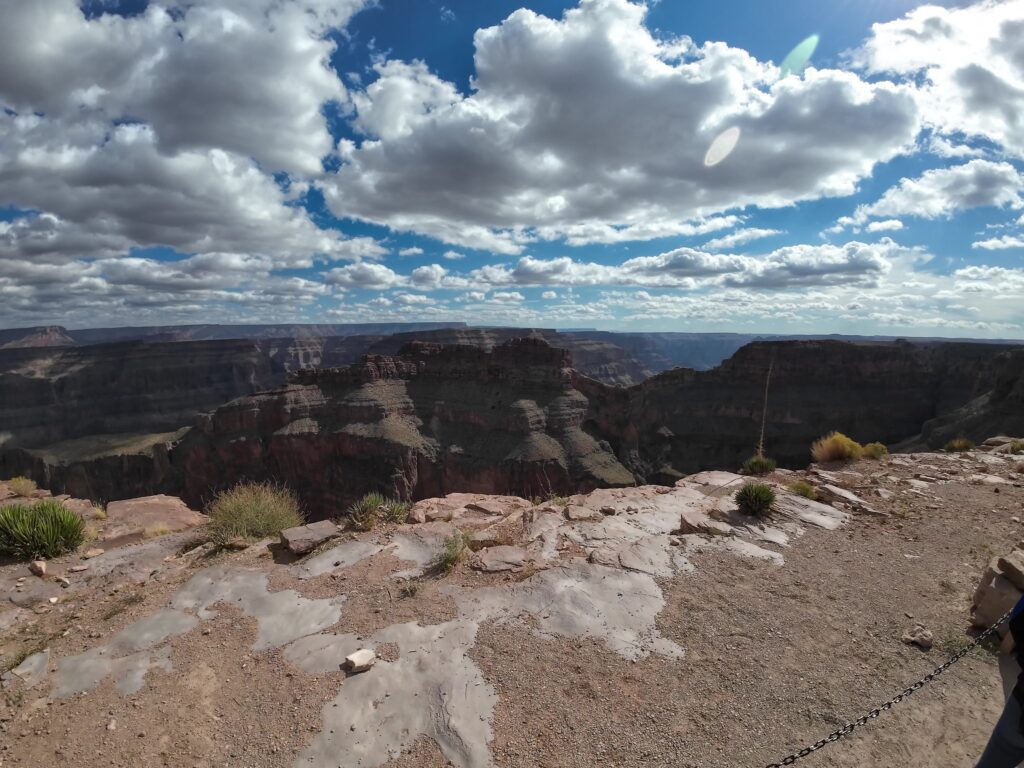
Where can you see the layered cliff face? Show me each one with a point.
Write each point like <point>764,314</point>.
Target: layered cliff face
<point>683,421</point>
<point>53,395</point>
<point>431,420</point>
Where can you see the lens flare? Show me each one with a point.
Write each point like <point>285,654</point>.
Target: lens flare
<point>722,146</point>
<point>797,59</point>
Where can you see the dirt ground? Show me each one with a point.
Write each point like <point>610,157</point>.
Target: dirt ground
<point>775,657</point>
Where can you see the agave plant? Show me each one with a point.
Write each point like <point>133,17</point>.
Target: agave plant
<point>45,529</point>
<point>755,499</point>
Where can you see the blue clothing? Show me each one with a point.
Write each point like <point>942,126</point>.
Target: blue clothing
<point>1006,746</point>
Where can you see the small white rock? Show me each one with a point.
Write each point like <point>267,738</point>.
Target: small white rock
<point>360,661</point>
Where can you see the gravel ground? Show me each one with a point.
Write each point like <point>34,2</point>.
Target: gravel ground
<point>775,658</point>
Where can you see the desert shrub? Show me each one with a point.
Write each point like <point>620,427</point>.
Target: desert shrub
<point>45,529</point>
<point>959,445</point>
<point>755,499</point>
<point>452,551</point>
<point>252,511</point>
<point>801,488</point>
<point>394,510</point>
<point>876,451</point>
<point>758,465</point>
<point>22,485</point>
<point>1017,446</point>
<point>366,513</point>
<point>836,446</point>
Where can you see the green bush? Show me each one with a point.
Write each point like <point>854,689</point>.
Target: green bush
<point>758,465</point>
<point>22,486</point>
<point>1017,447</point>
<point>45,529</point>
<point>836,446</point>
<point>875,451</point>
<point>252,511</point>
<point>959,445</point>
<point>801,488</point>
<point>452,551</point>
<point>366,513</point>
<point>755,499</point>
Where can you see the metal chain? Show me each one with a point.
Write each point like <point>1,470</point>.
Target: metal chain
<point>849,728</point>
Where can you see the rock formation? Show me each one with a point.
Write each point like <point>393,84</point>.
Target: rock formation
<point>426,422</point>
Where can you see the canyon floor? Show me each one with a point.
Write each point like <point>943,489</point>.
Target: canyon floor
<point>631,627</point>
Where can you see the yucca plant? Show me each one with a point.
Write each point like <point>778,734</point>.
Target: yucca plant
<point>394,510</point>
<point>44,530</point>
<point>366,513</point>
<point>755,499</point>
<point>876,451</point>
<point>252,511</point>
<point>758,465</point>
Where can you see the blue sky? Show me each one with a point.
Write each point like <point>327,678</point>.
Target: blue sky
<point>538,164</point>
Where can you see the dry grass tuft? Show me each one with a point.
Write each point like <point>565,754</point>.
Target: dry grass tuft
<point>252,511</point>
<point>22,486</point>
<point>836,446</point>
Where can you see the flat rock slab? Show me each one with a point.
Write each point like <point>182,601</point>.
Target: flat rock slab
<point>31,671</point>
<point>305,538</point>
<point>501,558</point>
<point>150,513</point>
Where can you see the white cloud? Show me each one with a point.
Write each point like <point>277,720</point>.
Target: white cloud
<point>887,225</point>
<point>248,77</point>
<point>412,251</point>
<point>944,191</point>
<point>1000,243</point>
<point>115,187</point>
<point>507,297</point>
<point>364,275</point>
<point>549,295</point>
<point>971,62</point>
<point>590,128</point>
<point>739,237</point>
<point>453,255</point>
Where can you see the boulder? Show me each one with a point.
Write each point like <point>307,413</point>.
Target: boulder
<point>38,567</point>
<point>305,538</point>
<point>994,596</point>
<point>498,505</point>
<point>150,512</point>
<point>919,636</point>
<point>1012,567</point>
<point>360,661</point>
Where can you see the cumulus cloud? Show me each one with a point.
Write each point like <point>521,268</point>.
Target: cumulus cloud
<point>970,61</point>
<point>739,237</point>
<point>114,187</point>
<point>591,128</point>
<point>1002,243</point>
<point>944,191</point>
<point>854,263</point>
<point>248,77</point>
<point>887,225</point>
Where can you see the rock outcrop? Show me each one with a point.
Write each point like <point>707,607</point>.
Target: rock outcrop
<point>426,422</point>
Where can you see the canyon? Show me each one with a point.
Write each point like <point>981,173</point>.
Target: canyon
<point>471,410</point>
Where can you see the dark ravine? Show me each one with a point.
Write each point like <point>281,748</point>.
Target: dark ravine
<point>434,419</point>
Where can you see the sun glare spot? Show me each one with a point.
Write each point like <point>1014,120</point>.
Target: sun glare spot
<point>722,146</point>
<point>797,59</point>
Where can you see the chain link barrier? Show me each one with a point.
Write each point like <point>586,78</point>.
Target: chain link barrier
<point>849,728</point>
